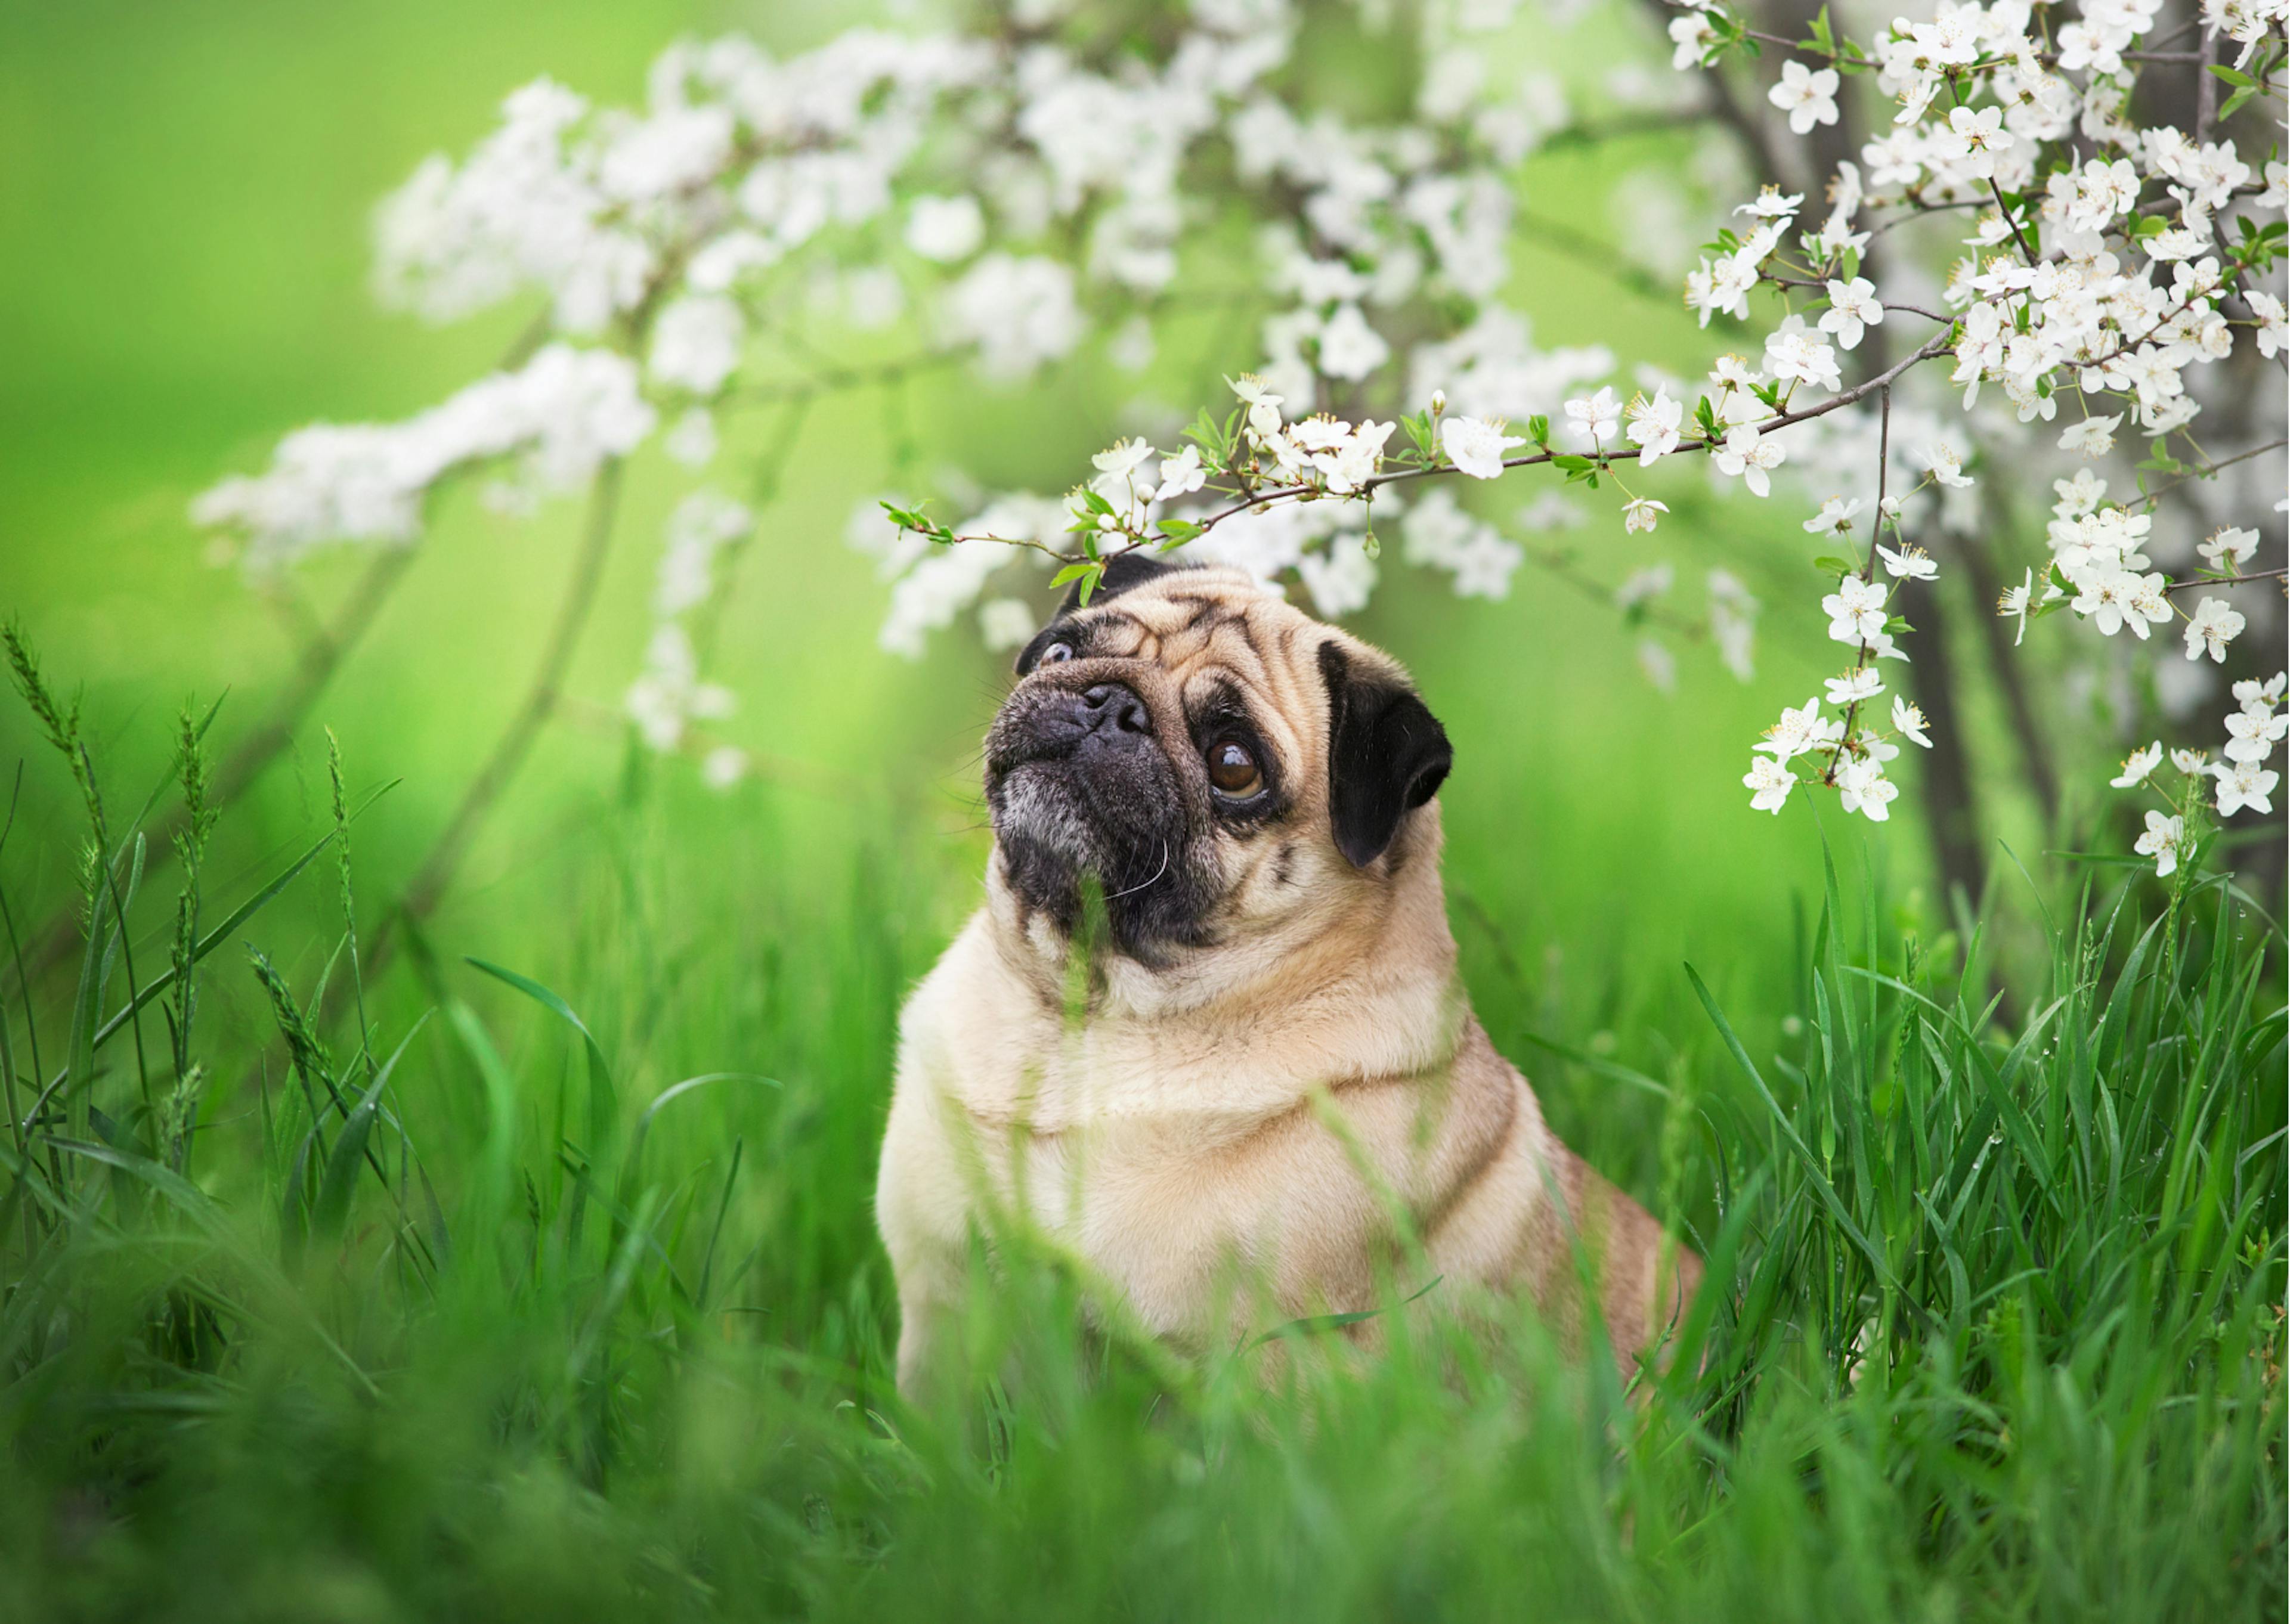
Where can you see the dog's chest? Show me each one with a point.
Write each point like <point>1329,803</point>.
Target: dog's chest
<point>1196,1226</point>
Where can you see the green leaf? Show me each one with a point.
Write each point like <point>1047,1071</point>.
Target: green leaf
<point>1829,564</point>
<point>1180,530</point>
<point>1313,1324</point>
<point>334,1202</point>
<point>604,1098</point>
<point>1807,1160</point>
<point>631,1169</point>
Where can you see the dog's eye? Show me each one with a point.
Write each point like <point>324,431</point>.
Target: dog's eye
<point>1057,653</point>
<point>1233,771</point>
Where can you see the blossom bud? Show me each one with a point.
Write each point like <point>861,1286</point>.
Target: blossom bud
<point>1438,401</point>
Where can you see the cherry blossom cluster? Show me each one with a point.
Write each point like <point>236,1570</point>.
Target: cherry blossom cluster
<point>2106,260</point>
<point>1031,192</point>
<point>1842,751</point>
<point>1019,193</point>
<point>2240,781</point>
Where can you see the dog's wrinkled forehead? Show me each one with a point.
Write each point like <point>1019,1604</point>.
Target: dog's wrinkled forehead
<point>1204,627</point>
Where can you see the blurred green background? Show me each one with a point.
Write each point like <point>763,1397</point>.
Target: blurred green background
<point>185,196</point>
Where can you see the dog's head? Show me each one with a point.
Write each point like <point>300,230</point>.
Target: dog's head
<point>1214,758</point>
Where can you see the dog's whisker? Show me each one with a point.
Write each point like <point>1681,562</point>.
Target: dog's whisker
<point>1132,890</point>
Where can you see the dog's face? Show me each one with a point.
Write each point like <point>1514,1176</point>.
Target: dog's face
<point>1214,758</point>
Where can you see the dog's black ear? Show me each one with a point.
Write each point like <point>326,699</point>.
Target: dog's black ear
<point>1387,755</point>
<point>1122,571</point>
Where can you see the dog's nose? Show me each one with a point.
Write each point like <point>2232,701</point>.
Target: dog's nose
<point>1110,707</point>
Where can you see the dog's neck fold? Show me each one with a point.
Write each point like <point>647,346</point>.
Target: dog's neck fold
<point>1362,987</point>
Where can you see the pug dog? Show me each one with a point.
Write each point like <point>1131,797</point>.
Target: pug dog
<point>1236,1086</point>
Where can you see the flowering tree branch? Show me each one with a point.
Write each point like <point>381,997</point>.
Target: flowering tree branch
<point>1016,197</point>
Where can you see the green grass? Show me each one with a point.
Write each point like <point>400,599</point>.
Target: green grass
<point>523,1372</point>
<point>469,1313</point>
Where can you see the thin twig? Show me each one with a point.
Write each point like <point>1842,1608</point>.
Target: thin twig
<point>2208,470</point>
<point>1868,569</point>
<point>2028,255</point>
<point>427,887</point>
<point>1822,287</point>
<point>1368,487</point>
<point>2223,580</point>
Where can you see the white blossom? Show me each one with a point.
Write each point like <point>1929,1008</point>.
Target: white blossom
<point>1974,140</point>
<point>670,695</point>
<point>701,527</point>
<point>2094,437</point>
<point>1340,581</point>
<point>1770,784</point>
<point>2228,548</point>
<point>1644,586</point>
<point>2080,495</point>
<point>1690,34</point>
<point>1475,446</point>
<point>1004,623</point>
<point>2245,785</point>
<point>1945,466</point>
<point>1855,685</point>
<point>1835,518</point>
<point>1801,356</point>
<point>1020,312</point>
<point>1750,457</point>
<point>1855,611</point>
<point>722,767</point>
<point>945,229</point>
<point>1799,731</point>
<point>1909,721</point>
<point>1732,623</point>
<point>2273,327</point>
<point>1909,563</point>
<point>1181,475</point>
<point>2212,627</point>
<point>1853,308</point>
<point>2251,735</point>
<point>1597,418</point>
<point>2138,766</point>
<point>1655,426</point>
<point>1350,349</point>
<point>1639,513</point>
<point>1808,98</point>
<point>560,416</point>
<point>695,344</point>
<point>1862,786</point>
<point>2161,843</point>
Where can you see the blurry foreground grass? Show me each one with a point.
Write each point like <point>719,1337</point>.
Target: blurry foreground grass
<point>508,1305</point>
